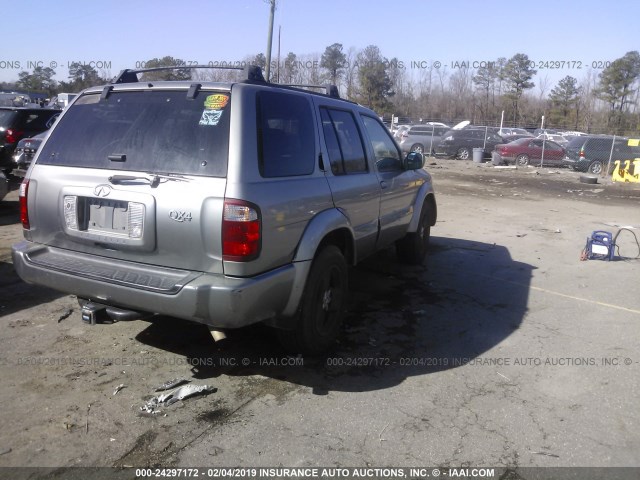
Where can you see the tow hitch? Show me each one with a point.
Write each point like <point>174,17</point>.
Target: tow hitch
<point>93,313</point>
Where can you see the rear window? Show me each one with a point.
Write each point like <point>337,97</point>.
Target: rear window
<point>39,120</point>
<point>157,132</point>
<point>576,143</point>
<point>6,118</point>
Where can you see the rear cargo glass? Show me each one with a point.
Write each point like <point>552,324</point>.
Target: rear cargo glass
<point>155,132</point>
<point>6,118</point>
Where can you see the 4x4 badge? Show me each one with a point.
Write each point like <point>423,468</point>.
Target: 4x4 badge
<point>180,216</point>
<point>102,190</point>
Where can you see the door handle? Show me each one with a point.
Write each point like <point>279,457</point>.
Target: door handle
<point>383,184</point>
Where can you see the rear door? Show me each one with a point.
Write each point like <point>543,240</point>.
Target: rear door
<point>136,175</point>
<point>354,186</point>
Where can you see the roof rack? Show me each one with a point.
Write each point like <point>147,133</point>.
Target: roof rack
<point>330,90</point>
<point>253,73</point>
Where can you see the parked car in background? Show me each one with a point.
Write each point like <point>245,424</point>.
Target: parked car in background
<point>504,132</point>
<point>524,151</point>
<point>421,138</point>
<point>539,131</point>
<point>460,143</point>
<point>400,130</point>
<point>62,100</point>
<point>591,153</point>
<point>24,153</point>
<point>14,99</point>
<point>554,137</point>
<point>514,137</point>
<point>573,133</point>
<point>17,123</point>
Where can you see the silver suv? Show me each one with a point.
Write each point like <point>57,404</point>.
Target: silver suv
<point>226,204</point>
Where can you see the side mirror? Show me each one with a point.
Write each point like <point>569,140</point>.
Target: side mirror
<point>414,161</point>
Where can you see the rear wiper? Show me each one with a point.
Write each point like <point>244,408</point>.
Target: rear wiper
<point>154,179</point>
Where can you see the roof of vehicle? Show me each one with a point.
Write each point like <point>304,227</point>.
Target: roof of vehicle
<point>252,75</point>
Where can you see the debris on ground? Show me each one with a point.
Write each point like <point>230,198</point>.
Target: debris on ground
<point>118,388</point>
<point>166,399</point>
<point>65,315</point>
<point>546,454</point>
<point>5,451</point>
<point>168,385</point>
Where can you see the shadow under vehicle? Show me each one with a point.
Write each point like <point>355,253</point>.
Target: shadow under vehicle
<point>402,321</point>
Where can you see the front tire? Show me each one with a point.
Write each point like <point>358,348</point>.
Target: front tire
<point>320,315</point>
<point>522,160</point>
<point>414,246</point>
<point>463,154</point>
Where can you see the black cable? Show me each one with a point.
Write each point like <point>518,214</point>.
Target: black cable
<point>615,242</point>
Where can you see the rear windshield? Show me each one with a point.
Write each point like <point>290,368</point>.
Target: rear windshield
<point>576,143</point>
<point>6,117</point>
<point>155,132</point>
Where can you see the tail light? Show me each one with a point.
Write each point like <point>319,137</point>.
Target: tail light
<point>241,231</point>
<point>404,134</point>
<point>12,136</point>
<point>24,211</point>
<point>582,152</point>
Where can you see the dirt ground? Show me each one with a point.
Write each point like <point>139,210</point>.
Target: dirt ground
<point>503,350</point>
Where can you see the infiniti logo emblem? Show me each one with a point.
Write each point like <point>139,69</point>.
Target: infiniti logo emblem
<point>102,190</point>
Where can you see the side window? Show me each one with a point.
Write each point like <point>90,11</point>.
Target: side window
<point>384,148</point>
<point>286,140</point>
<point>344,144</point>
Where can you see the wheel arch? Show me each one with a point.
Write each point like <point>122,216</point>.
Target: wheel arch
<point>327,227</point>
<point>425,198</point>
<point>330,227</point>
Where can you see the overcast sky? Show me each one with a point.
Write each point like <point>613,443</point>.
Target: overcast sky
<point>122,34</point>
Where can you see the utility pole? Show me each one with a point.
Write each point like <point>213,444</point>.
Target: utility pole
<point>270,37</point>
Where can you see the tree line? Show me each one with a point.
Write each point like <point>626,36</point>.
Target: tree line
<point>600,102</point>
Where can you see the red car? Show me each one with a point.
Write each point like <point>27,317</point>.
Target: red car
<point>524,151</point>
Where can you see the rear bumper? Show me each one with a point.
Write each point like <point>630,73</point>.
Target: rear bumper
<point>216,300</point>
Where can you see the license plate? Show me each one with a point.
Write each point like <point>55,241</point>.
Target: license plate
<point>110,216</point>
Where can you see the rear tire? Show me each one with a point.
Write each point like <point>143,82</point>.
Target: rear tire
<point>417,148</point>
<point>319,318</point>
<point>522,160</point>
<point>413,248</point>
<point>596,167</point>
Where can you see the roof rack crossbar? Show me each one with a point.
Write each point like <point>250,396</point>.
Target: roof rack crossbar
<point>253,72</point>
<point>330,90</point>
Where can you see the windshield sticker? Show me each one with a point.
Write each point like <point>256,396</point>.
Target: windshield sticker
<point>216,102</point>
<point>210,117</point>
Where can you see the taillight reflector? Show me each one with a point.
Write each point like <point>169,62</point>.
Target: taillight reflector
<point>24,211</point>
<point>241,231</point>
<point>12,136</point>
